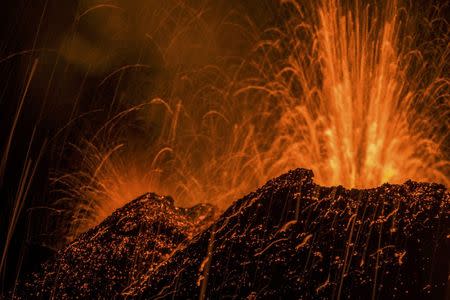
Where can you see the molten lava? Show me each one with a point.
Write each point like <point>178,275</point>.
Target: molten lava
<point>350,105</point>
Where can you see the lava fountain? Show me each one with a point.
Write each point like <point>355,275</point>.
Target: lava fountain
<point>358,104</point>
<point>342,87</point>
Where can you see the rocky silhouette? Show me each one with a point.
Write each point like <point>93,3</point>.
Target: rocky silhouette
<point>289,239</point>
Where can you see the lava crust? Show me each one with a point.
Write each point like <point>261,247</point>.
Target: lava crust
<point>100,263</point>
<point>290,239</point>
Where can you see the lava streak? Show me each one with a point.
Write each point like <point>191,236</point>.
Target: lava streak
<point>357,103</point>
<point>352,90</point>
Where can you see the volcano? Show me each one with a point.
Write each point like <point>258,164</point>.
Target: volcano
<point>291,238</point>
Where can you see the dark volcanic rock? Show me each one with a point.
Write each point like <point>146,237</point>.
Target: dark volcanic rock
<point>289,239</point>
<point>103,261</point>
<point>294,239</point>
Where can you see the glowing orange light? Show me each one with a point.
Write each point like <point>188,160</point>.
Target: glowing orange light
<point>342,92</point>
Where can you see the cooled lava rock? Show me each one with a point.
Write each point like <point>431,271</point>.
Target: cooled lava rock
<point>100,263</point>
<point>290,239</point>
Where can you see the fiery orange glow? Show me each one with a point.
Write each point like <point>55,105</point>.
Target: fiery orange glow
<point>345,91</point>
<point>350,106</point>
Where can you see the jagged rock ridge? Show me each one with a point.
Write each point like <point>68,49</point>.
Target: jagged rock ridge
<point>103,261</point>
<point>295,239</point>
